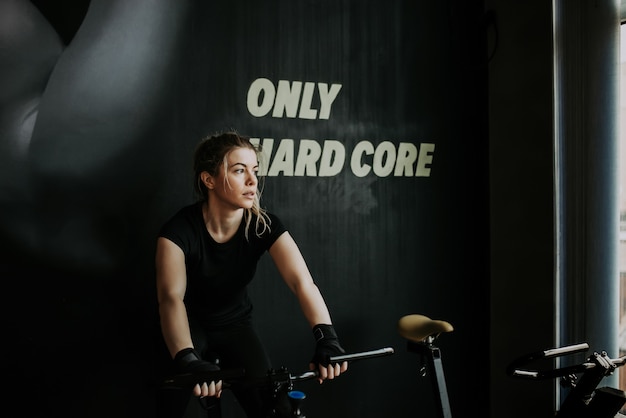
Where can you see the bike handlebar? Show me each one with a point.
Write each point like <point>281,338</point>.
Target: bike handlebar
<point>230,375</point>
<point>362,355</point>
<point>515,368</point>
<point>183,380</point>
<point>352,357</point>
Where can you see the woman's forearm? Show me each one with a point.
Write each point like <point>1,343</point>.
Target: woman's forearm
<point>175,325</point>
<point>313,305</point>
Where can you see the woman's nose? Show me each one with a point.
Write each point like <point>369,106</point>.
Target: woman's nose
<point>252,178</point>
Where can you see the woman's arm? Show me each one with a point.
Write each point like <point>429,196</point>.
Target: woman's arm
<point>171,281</point>
<point>171,278</point>
<point>296,274</point>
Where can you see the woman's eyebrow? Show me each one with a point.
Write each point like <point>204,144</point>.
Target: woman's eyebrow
<point>245,165</point>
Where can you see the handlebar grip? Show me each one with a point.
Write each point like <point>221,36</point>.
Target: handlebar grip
<point>515,367</point>
<point>190,379</point>
<point>310,374</point>
<point>362,355</point>
<point>562,351</point>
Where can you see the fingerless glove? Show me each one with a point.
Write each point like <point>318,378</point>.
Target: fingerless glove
<point>327,344</point>
<point>187,360</point>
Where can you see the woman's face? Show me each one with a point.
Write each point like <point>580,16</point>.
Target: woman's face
<point>237,184</point>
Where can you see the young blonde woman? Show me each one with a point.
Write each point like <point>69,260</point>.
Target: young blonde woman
<point>206,256</point>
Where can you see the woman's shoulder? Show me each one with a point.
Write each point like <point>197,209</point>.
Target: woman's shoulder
<point>275,226</point>
<point>186,215</point>
<point>190,210</point>
<point>272,219</point>
<point>272,216</point>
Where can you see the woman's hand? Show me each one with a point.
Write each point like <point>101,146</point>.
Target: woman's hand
<point>331,371</point>
<point>327,346</point>
<point>189,361</point>
<point>211,389</point>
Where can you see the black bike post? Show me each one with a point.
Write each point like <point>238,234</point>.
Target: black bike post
<point>434,367</point>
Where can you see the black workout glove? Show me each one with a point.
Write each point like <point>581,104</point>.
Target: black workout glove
<point>187,360</point>
<point>327,345</point>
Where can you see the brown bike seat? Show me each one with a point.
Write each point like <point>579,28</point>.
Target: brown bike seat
<point>419,327</point>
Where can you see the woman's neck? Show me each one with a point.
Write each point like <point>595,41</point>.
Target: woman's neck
<point>221,224</point>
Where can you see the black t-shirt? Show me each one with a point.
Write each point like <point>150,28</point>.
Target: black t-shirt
<point>218,273</point>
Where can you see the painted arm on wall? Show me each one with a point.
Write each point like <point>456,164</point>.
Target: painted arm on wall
<point>76,152</point>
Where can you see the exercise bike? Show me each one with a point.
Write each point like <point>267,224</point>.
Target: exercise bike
<point>420,331</point>
<point>584,399</point>
<point>286,400</point>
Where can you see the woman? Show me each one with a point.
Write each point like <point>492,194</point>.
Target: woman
<point>206,256</point>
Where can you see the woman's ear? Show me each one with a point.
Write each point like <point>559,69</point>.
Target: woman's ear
<point>207,179</point>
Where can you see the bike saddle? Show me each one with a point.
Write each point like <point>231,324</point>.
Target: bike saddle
<point>418,328</point>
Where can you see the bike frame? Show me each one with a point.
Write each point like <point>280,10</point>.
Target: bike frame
<point>584,400</point>
<point>433,366</point>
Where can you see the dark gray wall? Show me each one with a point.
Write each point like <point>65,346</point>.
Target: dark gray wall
<point>97,134</point>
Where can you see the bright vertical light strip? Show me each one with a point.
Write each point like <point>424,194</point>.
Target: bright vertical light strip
<point>622,208</point>
<point>621,183</point>
<point>557,197</point>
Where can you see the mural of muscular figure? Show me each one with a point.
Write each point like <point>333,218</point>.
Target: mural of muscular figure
<point>78,169</point>
<point>76,123</point>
